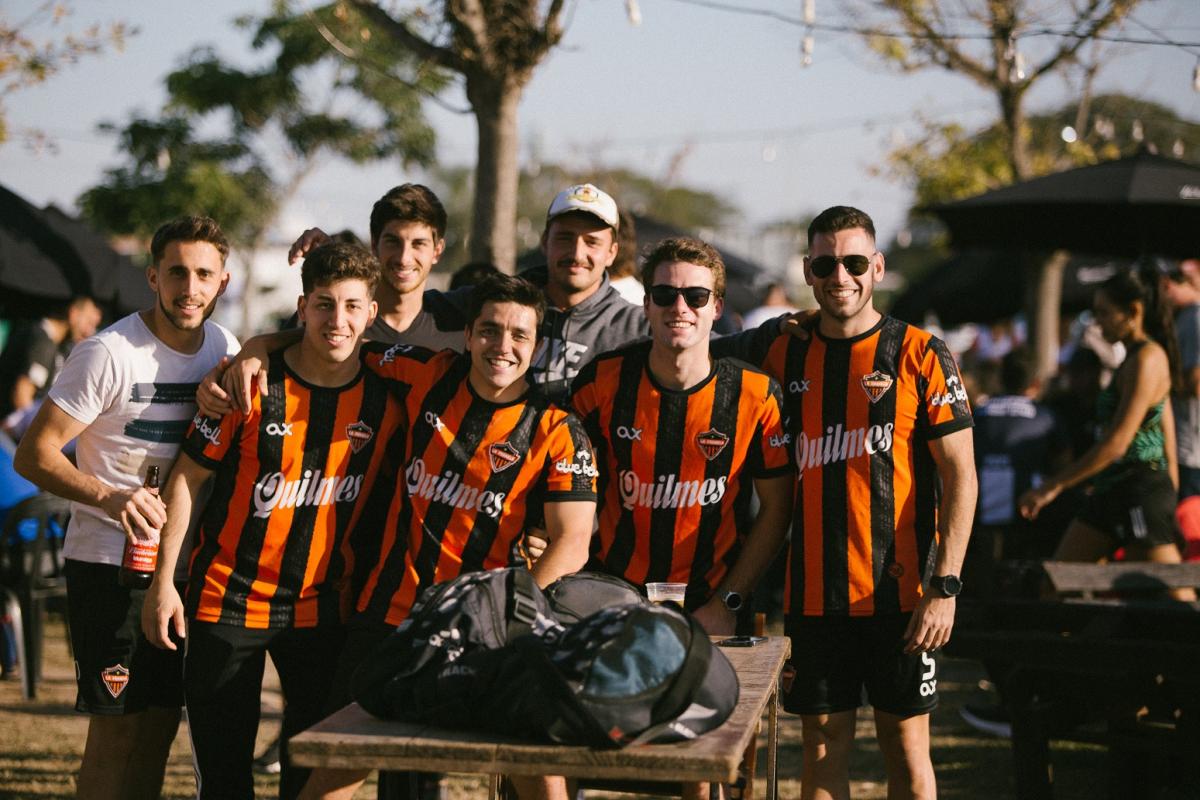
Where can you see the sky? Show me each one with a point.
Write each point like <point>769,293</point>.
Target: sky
<point>707,97</point>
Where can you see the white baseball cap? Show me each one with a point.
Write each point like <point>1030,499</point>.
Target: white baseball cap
<point>586,198</point>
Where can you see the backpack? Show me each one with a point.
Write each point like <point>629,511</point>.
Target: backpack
<point>483,652</point>
<point>575,596</point>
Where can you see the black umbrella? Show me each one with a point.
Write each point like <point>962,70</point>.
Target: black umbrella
<point>1143,204</point>
<point>990,285</point>
<point>47,257</point>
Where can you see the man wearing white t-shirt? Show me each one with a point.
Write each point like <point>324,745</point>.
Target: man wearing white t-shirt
<point>128,394</point>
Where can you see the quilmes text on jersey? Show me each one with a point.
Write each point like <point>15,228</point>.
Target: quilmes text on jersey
<point>839,444</point>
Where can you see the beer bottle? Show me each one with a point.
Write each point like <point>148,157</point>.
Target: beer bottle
<point>137,565</point>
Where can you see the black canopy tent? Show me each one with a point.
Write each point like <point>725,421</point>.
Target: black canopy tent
<point>47,257</point>
<point>1144,204</point>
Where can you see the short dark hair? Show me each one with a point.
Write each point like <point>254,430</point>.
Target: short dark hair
<point>338,261</point>
<point>626,261</point>
<point>840,218</point>
<point>683,248</point>
<point>188,229</point>
<point>503,288</point>
<point>408,202</point>
<point>472,273</point>
<point>1018,370</point>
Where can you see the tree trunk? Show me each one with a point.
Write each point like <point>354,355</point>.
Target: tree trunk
<point>1012,112</point>
<point>494,222</point>
<point>1042,306</point>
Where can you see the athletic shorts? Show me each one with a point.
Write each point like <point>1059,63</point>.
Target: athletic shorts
<point>362,637</point>
<point>842,663</point>
<point>117,670</point>
<point>1137,510</point>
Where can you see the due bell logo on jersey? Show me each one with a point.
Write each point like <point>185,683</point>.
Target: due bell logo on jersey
<point>712,442</point>
<point>359,433</point>
<point>115,678</point>
<point>502,455</point>
<point>876,385</point>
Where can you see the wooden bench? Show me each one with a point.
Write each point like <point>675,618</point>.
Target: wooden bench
<point>1123,670</point>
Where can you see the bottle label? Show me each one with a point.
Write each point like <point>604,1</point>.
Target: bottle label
<point>140,557</point>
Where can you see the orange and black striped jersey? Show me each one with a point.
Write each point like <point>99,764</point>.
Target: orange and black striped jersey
<point>476,475</point>
<point>676,467</point>
<point>292,476</point>
<point>860,413</point>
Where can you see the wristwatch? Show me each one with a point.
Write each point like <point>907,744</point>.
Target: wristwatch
<point>733,601</point>
<point>946,585</point>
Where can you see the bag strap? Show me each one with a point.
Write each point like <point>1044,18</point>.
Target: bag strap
<point>524,605</point>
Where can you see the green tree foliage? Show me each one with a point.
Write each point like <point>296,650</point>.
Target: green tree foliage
<point>274,130</point>
<point>948,162</point>
<point>35,46</point>
<point>682,206</point>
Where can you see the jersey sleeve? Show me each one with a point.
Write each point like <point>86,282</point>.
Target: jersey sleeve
<point>943,399</point>
<point>209,439</point>
<point>87,383</point>
<point>571,469</point>
<point>770,453</point>
<point>404,363</point>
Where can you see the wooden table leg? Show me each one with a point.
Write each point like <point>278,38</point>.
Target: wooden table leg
<point>494,786</point>
<point>772,741</point>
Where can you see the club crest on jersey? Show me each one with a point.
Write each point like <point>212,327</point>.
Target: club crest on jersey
<point>711,443</point>
<point>115,678</point>
<point>359,433</point>
<point>876,385</point>
<point>502,455</point>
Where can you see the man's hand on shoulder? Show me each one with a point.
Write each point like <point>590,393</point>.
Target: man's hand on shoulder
<point>800,323</point>
<point>310,240</point>
<point>931,623</point>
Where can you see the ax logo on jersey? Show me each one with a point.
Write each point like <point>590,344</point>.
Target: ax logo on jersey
<point>668,491</point>
<point>209,429</point>
<point>840,445</point>
<point>313,489</point>
<point>448,488</point>
<point>393,352</point>
<point>581,465</point>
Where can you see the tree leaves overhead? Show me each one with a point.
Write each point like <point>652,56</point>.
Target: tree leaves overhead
<point>273,120</point>
<point>949,162</point>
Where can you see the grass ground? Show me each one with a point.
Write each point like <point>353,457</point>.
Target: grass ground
<point>41,742</point>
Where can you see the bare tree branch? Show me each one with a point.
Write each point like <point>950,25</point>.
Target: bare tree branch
<point>442,56</point>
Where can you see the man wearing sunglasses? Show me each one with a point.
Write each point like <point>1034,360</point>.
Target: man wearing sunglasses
<point>683,439</point>
<point>877,417</point>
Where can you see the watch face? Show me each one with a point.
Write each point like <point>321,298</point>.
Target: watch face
<point>950,585</point>
<point>733,601</point>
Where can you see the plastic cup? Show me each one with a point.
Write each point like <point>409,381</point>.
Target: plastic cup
<point>666,592</point>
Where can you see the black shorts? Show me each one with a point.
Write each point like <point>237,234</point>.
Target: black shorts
<point>223,674</point>
<point>839,659</point>
<point>117,670</point>
<point>362,637</point>
<point>1137,510</point>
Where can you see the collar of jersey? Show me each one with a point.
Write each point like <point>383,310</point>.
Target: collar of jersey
<point>312,387</point>
<point>712,373</point>
<point>852,339</point>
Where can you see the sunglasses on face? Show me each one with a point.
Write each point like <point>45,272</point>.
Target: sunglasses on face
<point>824,266</point>
<point>694,296</point>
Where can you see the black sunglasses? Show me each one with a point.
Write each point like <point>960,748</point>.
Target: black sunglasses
<point>694,296</point>
<point>824,266</point>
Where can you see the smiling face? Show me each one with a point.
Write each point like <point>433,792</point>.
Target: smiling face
<point>578,248</point>
<point>679,327</point>
<point>334,318</point>
<point>407,252</point>
<point>845,299</point>
<point>187,281</point>
<point>501,342</point>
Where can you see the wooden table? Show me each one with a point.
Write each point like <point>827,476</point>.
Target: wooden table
<point>352,738</point>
